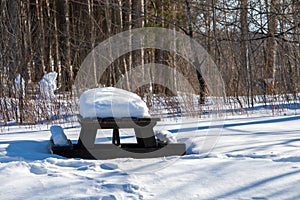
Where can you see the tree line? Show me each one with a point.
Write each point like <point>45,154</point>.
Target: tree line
<point>255,44</point>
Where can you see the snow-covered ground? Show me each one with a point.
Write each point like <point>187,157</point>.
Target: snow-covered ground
<point>256,157</point>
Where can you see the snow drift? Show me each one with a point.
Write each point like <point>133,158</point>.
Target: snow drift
<point>48,85</point>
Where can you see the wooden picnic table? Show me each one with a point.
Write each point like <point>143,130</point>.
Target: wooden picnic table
<point>143,128</point>
<point>146,147</point>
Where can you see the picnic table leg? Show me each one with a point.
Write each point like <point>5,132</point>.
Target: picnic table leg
<point>116,137</point>
<point>87,137</point>
<point>145,137</point>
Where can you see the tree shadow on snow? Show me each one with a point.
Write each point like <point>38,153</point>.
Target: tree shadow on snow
<point>268,121</point>
<point>260,184</point>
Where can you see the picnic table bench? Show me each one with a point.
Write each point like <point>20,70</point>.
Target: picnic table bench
<point>147,145</point>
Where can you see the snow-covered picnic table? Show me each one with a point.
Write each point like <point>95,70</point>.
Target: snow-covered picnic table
<point>114,108</point>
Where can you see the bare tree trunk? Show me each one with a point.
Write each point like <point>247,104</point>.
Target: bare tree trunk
<point>69,67</point>
<point>28,43</point>
<point>207,17</point>
<point>42,46</point>
<point>175,87</point>
<point>63,23</point>
<point>296,11</point>
<point>120,63</point>
<point>4,45</point>
<point>130,54</point>
<point>196,62</point>
<point>57,60</point>
<point>124,62</point>
<point>270,70</point>
<point>108,18</point>
<point>13,10</point>
<point>214,27</point>
<point>127,26</point>
<point>273,46</point>
<point>93,38</point>
<point>137,22</point>
<point>51,59</point>
<point>244,67</point>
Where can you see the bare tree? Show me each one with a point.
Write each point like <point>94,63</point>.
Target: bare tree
<point>196,61</point>
<point>270,68</point>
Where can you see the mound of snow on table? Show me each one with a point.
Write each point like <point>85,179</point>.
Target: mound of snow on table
<point>165,136</point>
<point>58,136</point>
<point>112,102</point>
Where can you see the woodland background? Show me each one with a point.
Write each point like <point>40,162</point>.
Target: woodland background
<point>255,44</point>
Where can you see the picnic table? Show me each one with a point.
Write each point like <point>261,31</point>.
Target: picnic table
<point>147,145</point>
<point>115,109</point>
<point>143,128</point>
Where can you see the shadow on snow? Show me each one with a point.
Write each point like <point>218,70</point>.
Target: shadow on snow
<point>269,121</point>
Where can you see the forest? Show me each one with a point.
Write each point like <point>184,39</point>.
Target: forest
<point>255,45</point>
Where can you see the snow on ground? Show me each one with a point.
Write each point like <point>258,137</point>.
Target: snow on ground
<point>256,157</point>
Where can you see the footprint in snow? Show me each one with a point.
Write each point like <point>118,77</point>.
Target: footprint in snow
<point>84,168</point>
<point>38,169</point>
<point>109,166</point>
<point>110,197</point>
<point>127,187</point>
<point>259,198</point>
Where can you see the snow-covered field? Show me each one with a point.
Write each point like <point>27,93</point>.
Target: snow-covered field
<point>256,157</point>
